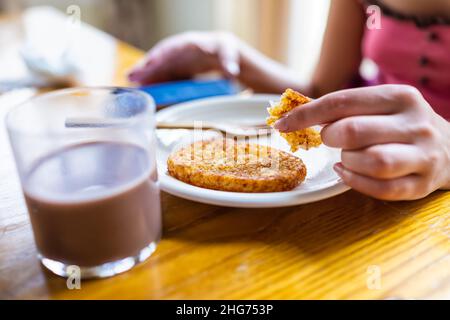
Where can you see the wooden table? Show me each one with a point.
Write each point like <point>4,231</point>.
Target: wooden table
<point>347,247</point>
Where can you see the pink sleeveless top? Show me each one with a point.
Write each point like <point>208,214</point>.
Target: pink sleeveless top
<point>408,52</point>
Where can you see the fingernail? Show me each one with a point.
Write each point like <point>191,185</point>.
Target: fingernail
<point>281,125</point>
<point>135,76</point>
<point>232,68</point>
<point>339,169</point>
<point>132,75</point>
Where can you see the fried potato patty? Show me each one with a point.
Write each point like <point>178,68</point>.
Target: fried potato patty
<point>228,165</point>
<point>304,138</point>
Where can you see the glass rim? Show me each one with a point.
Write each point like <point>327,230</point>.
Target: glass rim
<point>13,128</point>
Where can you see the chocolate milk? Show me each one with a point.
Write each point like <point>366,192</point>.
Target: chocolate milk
<point>94,203</point>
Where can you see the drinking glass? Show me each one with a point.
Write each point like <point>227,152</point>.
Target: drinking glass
<point>87,165</point>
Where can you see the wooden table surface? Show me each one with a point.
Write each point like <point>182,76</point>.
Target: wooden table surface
<point>347,247</point>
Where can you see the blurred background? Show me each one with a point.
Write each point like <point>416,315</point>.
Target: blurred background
<point>289,31</point>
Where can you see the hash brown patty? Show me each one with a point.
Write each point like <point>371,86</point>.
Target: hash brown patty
<point>229,165</point>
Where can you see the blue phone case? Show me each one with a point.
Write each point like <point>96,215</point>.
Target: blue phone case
<point>168,93</point>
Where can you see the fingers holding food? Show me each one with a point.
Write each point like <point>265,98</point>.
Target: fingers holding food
<point>303,138</point>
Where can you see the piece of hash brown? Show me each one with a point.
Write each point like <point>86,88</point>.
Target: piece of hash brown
<point>304,138</point>
<point>228,165</point>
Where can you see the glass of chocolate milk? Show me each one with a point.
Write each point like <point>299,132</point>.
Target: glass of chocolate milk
<point>86,160</point>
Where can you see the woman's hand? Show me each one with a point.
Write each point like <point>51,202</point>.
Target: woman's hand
<point>394,146</point>
<point>185,55</point>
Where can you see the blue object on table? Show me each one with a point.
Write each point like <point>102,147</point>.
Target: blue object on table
<point>168,93</point>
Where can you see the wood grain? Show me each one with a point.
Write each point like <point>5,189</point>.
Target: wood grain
<point>324,250</point>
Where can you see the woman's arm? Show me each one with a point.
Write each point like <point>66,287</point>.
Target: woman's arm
<point>341,55</point>
<point>185,55</point>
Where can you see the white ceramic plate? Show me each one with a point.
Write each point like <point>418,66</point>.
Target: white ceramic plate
<point>321,181</point>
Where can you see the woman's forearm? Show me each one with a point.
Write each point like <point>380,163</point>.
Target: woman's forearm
<point>265,75</point>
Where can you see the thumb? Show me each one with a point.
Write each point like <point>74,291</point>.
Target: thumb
<point>229,58</point>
